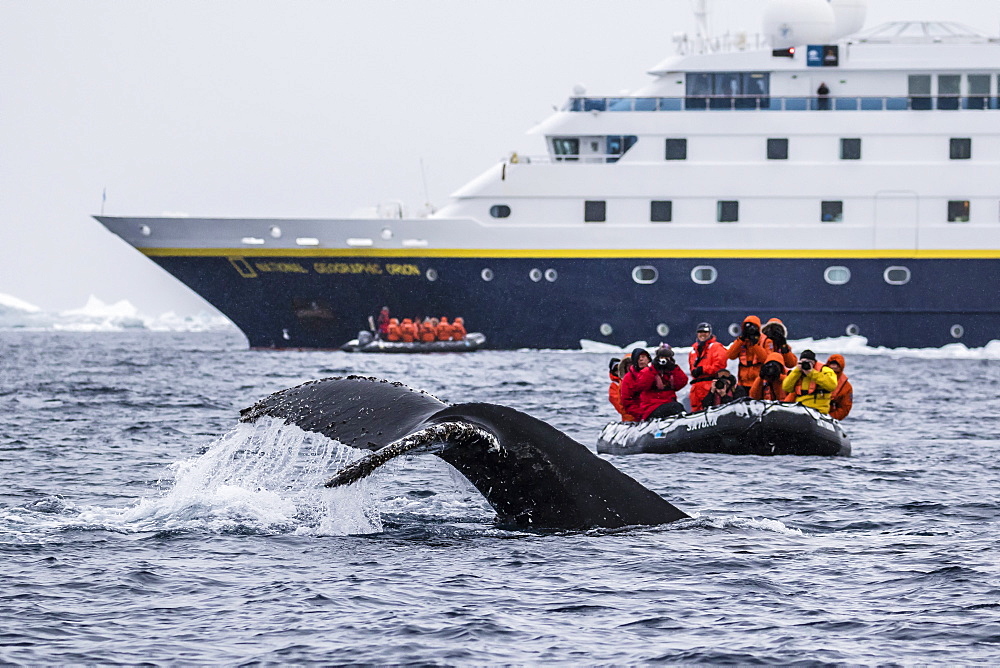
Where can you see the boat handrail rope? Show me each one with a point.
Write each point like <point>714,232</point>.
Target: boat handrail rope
<point>788,103</point>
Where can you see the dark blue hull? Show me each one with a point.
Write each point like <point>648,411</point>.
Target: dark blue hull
<point>320,302</point>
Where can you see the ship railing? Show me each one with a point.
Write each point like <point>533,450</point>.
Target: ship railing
<point>774,103</point>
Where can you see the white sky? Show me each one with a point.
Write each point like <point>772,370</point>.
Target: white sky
<point>292,108</point>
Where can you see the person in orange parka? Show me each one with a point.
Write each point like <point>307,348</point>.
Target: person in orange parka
<point>392,333</point>
<point>408,331</point>
<point>428,332</point>
<point>768,384</point>
<point>616,370</point>
<point>777,341</point>
<point>458,329</point>
<point>707,358</point>
<point>443,330</point>
<point>842,399</point>
<point>750,349</point>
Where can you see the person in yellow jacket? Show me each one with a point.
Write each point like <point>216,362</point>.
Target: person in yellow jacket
<point>810,383</point>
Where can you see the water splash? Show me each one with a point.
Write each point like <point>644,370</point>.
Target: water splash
<point>264,478</point>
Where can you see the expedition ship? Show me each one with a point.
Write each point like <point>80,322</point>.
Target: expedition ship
<point>844,181</point>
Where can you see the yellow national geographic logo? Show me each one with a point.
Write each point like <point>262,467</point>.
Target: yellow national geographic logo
<point>242,266</point>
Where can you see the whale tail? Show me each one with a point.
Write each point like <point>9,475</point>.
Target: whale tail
<point>531,473</point>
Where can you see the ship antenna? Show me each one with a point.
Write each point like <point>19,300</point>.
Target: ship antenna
<point>423,176</point>
<point>701,20</point>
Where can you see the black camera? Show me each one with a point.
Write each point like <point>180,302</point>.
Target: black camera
<point>664,363</point>
<point>806,365</point>
<point>720,384</point>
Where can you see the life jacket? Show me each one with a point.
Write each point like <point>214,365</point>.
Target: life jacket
<point>428,332</point>
<point>383,321</point>
<point>710,355</point>
<point>808,392</point>
<point>392,332</point>
<point>443,331</point>
<point>408,331</point>
<point>458,330</point>
<point>842,398</point>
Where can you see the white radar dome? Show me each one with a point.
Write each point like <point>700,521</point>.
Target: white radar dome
<point>796,22</point>
<point>848,16</point>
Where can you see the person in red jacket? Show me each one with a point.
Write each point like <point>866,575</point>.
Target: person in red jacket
<point>630,391</point>
<point>658,384</point>
<point>767,386</point>
<point>777,341</point>
<point>707,358</point>
<point>750,349</point>
<point>842,399</point>
<point>382,326</point>
<point>616,370</point>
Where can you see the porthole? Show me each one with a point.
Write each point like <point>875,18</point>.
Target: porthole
<point>607,330</point>
<point>957,331</point>
<point>275,232</point>
<point>837,275</point>
<point>704,274</point>
<point>734,329</point>
<point>896,275</point>
<point>535,275</point>
<point>645,274</point>
<point>499,210</point>
<point>662,329</point>
<point>145,230</point>
<point>551,275</point>
<point>386,233</point>
<point>486,274</point>
<point>852,330</point>
<point>431,274</point>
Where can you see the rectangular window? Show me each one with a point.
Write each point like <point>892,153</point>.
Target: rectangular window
<point>831,212</point>
<point>961,148</point>
<point>661,211</point>
<point>566,148</point>
<point>777,149</point>
<point>594,211</point>
<point>727,211</point>
<point>850,148</point>
<point>949,88</point>
<point>979,91</point>
<point>958,211</point>
<point>677,149</point>
<point>920,91</point>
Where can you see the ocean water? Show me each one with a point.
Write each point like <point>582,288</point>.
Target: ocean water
<point>140,524</point>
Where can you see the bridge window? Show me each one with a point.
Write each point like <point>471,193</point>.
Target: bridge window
<point>566,148</point>
<point>961,148</point>
<point>979,91</point>
<point>594,211</point>
<point>831,212</point>
<point>850,149</point>
<point>661,211</point>
<point>726,90</point>
<point>618,145</point>
<point>958,211</point>
<point>777,149</point>
<point>677,149</point>
<point>727,211</point>
<point>500,211</point>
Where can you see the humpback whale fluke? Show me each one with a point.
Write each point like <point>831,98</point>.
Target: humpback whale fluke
<point>531,473</point>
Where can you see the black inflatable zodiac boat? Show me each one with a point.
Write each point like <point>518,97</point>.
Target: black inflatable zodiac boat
<point>743,427</point>
<point>472,341</point>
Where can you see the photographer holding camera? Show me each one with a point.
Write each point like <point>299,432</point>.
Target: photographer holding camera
<point>810,383</point>
<point>750,349</point>
<point>706,359</point>
<point>768,384</point>
<point>777,341</point>
<point>721,390</point>
<point>657,386</point>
